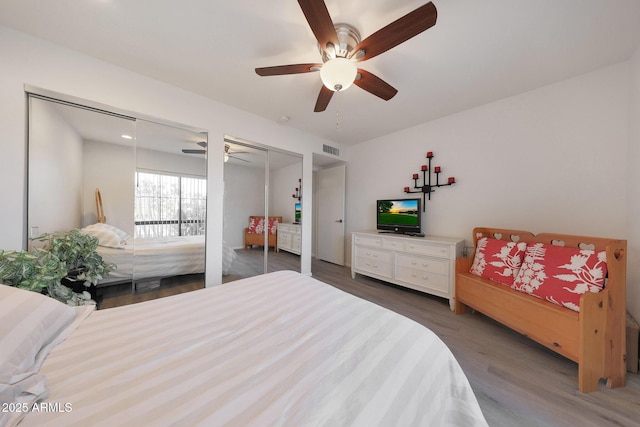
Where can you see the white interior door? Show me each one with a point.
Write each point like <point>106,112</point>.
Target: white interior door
<point>330,236</point>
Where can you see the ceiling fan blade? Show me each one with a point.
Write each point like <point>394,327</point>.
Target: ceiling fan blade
<point>287,69</point>
<point>189,151</point>
<point>320,21</point>
<point>375,85</point>
<point>202,144</point>
<point>398,31</point>
<point>323,99</point>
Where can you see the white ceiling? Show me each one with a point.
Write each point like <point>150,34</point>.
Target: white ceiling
<point>478,51</point>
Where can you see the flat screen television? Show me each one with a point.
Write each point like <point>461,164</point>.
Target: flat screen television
<point>298,214</point>
<point>399,216</point>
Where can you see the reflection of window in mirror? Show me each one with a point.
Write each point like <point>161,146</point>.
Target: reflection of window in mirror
<point>127,182</point>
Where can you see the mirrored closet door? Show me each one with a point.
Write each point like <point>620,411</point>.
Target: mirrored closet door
<point>134,184</point>
<point>260,201</point>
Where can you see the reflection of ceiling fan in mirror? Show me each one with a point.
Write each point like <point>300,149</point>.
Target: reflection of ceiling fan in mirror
<point>202,144</point>
<point>228,154</point>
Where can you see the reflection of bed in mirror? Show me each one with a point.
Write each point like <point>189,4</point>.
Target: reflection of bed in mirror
<point>150,258</point>
<point>154,257</point>
<point>100,165</point>
<point>158,257</point>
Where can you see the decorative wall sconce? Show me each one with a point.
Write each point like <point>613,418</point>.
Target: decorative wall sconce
<point>298,193</point>
<point>427,188</point>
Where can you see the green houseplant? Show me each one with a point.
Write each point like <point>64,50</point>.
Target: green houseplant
<point>78,251</point>
<point>68,258</point>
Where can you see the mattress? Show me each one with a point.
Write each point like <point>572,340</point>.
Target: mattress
<point>277,349</point>
<point>147,257</point>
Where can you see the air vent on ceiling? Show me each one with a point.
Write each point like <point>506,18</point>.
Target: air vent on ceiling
<point>331,150</point>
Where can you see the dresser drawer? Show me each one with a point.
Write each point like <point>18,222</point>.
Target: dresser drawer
<point>393,244</point>
<point>424,248</point>
<point>374,254</point>
<point>424,280</point>
<point>289,228</point>
<point>374,266</point>
<point>431,265</point>
<point>371,241</point>
<point>284,240</point>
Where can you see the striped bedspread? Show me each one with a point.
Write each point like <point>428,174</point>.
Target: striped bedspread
<point>280,349</point>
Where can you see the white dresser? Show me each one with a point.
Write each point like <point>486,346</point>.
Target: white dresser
<point>426,264</point>
<point>289,238</point>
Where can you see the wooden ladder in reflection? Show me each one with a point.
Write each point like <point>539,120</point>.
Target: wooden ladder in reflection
<point>101,218</point>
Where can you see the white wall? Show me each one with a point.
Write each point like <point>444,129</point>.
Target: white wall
<point>55,159</point>
<point>243,197</point>
<point>283,184</point>
<point>110,168</point>
<point>633,192</point>
<point>550,160</point>
<point>28,60</point>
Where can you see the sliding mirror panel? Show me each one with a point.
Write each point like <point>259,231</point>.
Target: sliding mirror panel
<point>81,164</point>
<point>170,206</point>
<point>138,186</point>
<point>285,202</point>
<point>245,207</point>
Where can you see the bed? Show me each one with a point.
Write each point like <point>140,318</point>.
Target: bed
<point>154,257</point>
<point>151,258</point>
<point>276,349</point>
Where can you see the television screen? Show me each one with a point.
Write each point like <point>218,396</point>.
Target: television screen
<point>298,214</point>
<point>399,215</point>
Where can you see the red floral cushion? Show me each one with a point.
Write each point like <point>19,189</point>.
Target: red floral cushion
<point>273,226</point>
<point>256,226</point>
<point>561,275</point>
<point>497,260</point>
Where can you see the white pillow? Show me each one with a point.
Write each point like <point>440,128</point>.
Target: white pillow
<point>106,237</point>
<point>121,233</point>
<point>29,325</point>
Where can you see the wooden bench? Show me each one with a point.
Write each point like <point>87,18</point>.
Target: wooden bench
<point>593,337</point>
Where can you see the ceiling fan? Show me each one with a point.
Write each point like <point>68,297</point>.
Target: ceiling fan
<point>228,154</point>
<point>341,47</point>
<point>202,144</point>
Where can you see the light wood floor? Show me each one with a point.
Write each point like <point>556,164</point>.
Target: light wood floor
<point>517,382</point>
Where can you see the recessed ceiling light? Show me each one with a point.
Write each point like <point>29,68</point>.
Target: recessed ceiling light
<point>126,136</point>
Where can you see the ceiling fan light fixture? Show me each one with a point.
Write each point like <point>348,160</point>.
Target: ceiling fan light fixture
<point>338,74</point>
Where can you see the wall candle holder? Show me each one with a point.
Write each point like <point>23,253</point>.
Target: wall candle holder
<point>427,188</point>
<point>298,193</point>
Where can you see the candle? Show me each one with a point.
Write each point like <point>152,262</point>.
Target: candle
<point>437,169</point>
<point>429,154</point>
<point>296,188</point>
<point>406,189</point>
<point>424,167</point>
<point>415,176</point>
<point>299,179</point>
<point>452,179</point>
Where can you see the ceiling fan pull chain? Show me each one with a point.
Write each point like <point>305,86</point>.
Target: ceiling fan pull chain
<point>337,109</point>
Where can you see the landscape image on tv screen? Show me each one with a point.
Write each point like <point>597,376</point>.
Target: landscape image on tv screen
<point>298,213</point>
<point>398,212</point>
